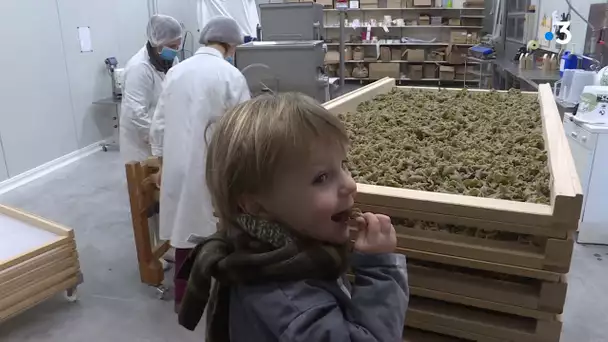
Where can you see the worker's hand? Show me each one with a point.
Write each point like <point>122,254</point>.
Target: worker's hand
<point>376,234</point>
<point>156,178</point>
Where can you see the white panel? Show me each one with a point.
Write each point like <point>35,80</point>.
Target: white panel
<point>36,120</point>
<point>185,12</point>
<point>112,24</point>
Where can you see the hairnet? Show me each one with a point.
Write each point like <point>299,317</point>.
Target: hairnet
<point>163,29</point>
<point>221,30</point>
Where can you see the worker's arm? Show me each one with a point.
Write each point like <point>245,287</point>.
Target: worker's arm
<point>157,127</point>
<point>137,98</point>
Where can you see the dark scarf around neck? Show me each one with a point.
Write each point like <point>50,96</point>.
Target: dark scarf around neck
<point>158,63</point>
<point>253,251</point>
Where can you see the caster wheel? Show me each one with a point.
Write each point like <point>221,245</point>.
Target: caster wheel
<point>104,148</point>
<point>71,295</point>
<point>161,292</point>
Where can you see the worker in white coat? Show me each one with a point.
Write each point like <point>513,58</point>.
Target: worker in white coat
<point>196,92</point>
<point>143,79</point>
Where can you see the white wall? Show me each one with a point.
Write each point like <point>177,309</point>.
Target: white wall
<point>48,85</point>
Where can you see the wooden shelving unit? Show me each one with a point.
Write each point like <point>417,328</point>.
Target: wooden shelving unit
<point>433,36</point>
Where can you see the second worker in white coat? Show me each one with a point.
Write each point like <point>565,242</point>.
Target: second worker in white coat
<point>143,81</point>
<point>197,91</point>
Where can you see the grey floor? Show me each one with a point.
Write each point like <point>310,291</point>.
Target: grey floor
<point>90,196</point>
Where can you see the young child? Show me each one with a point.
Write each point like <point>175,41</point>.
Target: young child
<point>276,172</point>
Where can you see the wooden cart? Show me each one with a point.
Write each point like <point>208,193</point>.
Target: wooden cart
<point>38,259</point>
<point>459,286</point>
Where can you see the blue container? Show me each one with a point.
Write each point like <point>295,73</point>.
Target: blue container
<point>569,61</point>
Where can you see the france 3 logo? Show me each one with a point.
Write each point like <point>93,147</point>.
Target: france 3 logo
<point>564,36</point>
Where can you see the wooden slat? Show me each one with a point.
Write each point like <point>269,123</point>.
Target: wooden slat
<point>60,252</point>
<point>37,297</point>
<point>34,275</point>
<point>490,209</point>
<point>458,220</point>
<point>60,241</point>
<point>37,221</point>
<point>483,322</point>
<point>466,335</point>
<point>38,286</point>
<point>531,298</point>
<point>481,265</point>
<point>566,190</point>
<point>349,102</point>
<point>416,335</point>
<point>554,256</point>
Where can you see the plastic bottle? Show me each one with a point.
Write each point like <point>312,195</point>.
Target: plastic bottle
<point>449,4</point>
<point>568,61</point>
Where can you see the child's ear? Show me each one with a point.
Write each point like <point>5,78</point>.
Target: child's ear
<point>251,204</point>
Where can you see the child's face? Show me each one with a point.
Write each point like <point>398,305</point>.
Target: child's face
<point>313,195</point>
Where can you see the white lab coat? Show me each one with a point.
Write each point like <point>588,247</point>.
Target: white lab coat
<point>142,87</point>
<point>196,91</point>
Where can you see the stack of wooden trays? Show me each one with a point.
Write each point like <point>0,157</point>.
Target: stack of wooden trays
<point>38,260</point>
<point>481,289</point>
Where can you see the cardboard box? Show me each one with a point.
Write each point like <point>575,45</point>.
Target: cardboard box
<point>454,55</point>
<point>389,3</point>
<point>379,70</point>
<point>332,57</point>
<point>427,3</point>
<point>368,3</point>
<point>430,71</point>
<point>414,55</point>
<point>415,72</point>
<point>329,3</point>
<point>474,3</point>
<point>358,54</point>
<point>348,53</point>
<point>437,55</point>
<point>454,22</point>
<point>424,20</point>
<point>472,38</point>
<point>396,54</point>
<point>446,72</point>
<point>385,54</point>
<point>458,36</point>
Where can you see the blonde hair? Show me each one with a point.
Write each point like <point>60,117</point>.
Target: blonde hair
<point>251,142</point>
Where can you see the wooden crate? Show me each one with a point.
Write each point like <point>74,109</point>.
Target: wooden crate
<point>550,225</point>
<point>519,296</point>
<point>38,259</point>
<point>479,325</point>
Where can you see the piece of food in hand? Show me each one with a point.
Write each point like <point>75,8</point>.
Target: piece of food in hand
<point>355,213</point>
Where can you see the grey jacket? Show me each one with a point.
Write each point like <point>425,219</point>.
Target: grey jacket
<point>373,309</point>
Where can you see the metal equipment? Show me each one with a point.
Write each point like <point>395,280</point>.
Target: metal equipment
<point>116,75</point>
<point>291,21</point>
<point>284,66</point>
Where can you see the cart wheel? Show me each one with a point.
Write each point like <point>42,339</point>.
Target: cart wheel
<point>104,148</point>
<point>161,292</point>
<point>71,295</point>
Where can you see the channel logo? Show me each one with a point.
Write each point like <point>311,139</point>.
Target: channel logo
<point>564,29</point>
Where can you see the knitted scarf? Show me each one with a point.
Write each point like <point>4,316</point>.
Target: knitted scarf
<point>252,251</point>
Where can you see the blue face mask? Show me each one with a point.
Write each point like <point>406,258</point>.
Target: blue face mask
<point>230,59</point>
<point>168,54</point>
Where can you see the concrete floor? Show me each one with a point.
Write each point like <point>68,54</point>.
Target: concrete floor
<point>90,196</point>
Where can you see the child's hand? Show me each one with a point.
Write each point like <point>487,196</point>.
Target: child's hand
<point>376,234</point>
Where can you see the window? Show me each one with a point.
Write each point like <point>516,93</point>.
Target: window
<point>516,19</point>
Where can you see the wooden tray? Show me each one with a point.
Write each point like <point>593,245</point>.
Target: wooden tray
<point>555,221</point>
<point>479,325</point>
<point>38,259</point>
<point>513,295</point>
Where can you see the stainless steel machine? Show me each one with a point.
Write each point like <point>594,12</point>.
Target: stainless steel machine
<point>283,66</point>
<point>291,21</point>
